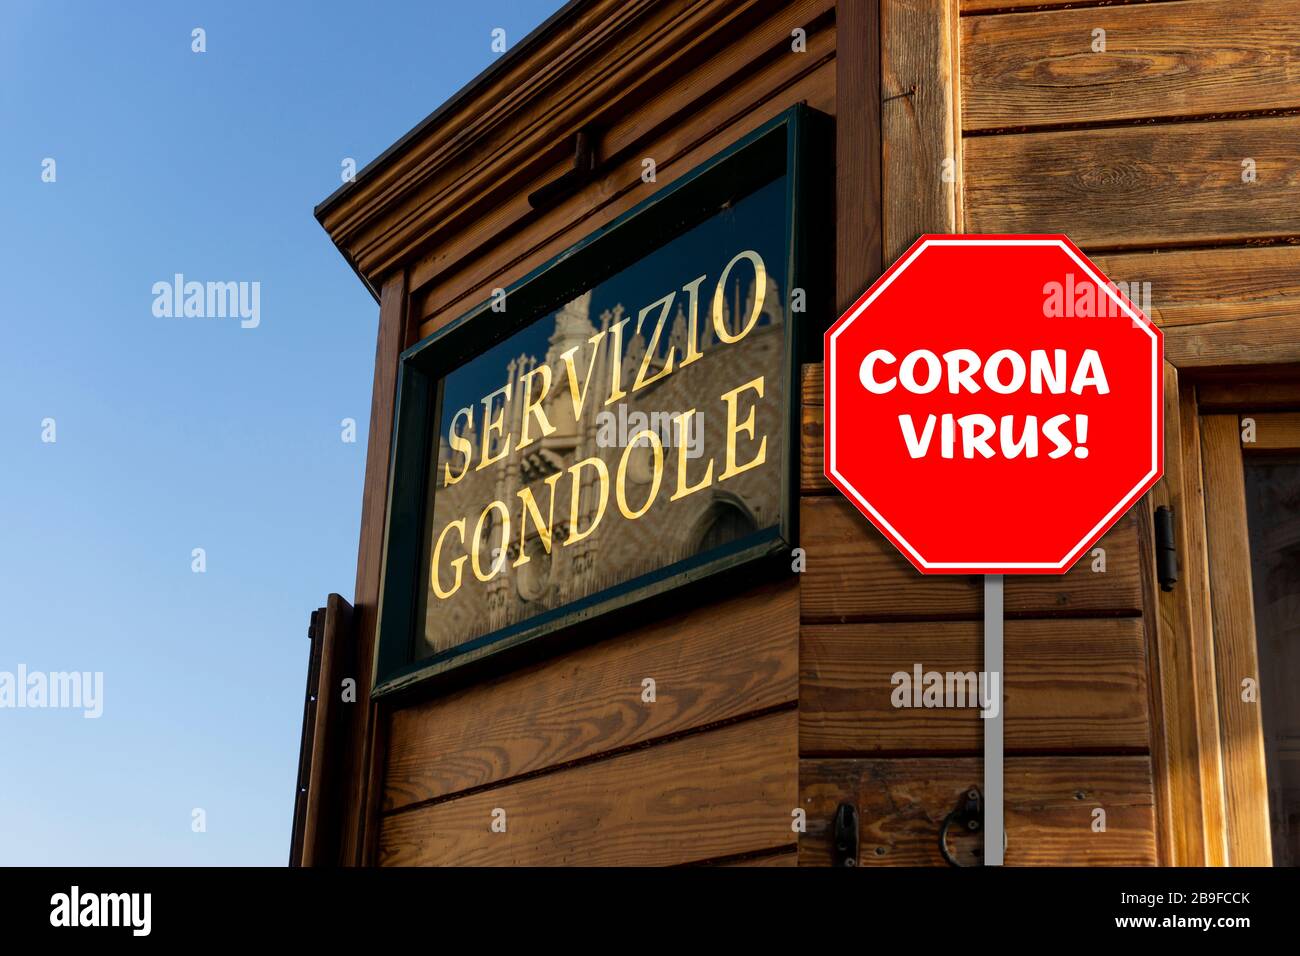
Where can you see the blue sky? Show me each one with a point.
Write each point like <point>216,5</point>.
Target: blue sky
<point>172,433</point>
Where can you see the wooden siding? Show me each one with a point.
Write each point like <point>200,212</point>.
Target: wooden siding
<point>1170,158</point>
<point>1072,686</point>
<point>585,771</point>
<point>710,665</point>
<point>1194,58</point>
<point>710,795</point>
<point>1050,804</point>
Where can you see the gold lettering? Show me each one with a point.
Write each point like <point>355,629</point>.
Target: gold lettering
<point>457,563</point>
<point>495,424</point>
<point>529,510</point>
<point>692,323</point>
<point>498,560</point>
<point>616,365</point>
<point>620,485</point>
<point>579,398</point>
<point>534,407</point>
<point>719,294</point>
<point>683,487</point>
<point>747,426</point>
<point>460,444</point>
<point>602,474</point>
<point>652,347</point>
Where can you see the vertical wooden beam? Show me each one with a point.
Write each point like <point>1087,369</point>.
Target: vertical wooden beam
<point>321,836</point>
<point>920,122</point>
<point>360,814</point>
<point>857,149</point>
<point>1232,608</point>
<point>1196,628</point>
<point>1184,750</point>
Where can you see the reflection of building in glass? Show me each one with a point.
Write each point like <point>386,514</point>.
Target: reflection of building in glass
<point>619,549</point>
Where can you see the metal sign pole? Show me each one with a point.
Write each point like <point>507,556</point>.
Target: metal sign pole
<point>994,835</point>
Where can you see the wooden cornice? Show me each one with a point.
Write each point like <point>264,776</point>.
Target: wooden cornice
<point>593,60</point>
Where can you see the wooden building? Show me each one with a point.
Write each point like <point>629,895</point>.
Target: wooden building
<point>1162,137</point>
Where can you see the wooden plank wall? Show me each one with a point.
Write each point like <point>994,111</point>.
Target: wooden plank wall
<point>1077,716</point>
<point>1170,157</point>
<point>584,770</point>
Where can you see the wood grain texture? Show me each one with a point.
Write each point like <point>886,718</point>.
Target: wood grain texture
<point>710,795</point>
<point>812,451</point>
<point>672,120</point>
<point>918,118</point>
<point>1195,638</point>
<point>972,7</point>
<point>1234,396</point>
<point>711,664</point>
<point>855,574</point>
<point>1072,686</point>
<point>363,733</point>
<point>1185,773</point>
<point>1048,811</point>
<point>811,382</point>
<point>1144,511</point>
<point>1232,607</point>
<point>1169,59</point>
<point>857,150</point>
<point>1218,307</point>
<point>527,116</point>
<point>1278,431</point>
<point>470,276</point>
<point>322,825</point>
<point>1140,186</point>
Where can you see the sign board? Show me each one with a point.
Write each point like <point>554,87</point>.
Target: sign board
<point>617,424</point>
<point>993,404</point>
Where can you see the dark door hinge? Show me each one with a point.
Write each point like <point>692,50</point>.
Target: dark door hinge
<point>845,835</point>
<point>1166,549</point>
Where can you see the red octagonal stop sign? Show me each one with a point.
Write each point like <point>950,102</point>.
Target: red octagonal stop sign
<point>993,404</point>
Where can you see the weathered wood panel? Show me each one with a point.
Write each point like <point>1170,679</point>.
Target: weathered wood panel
<point>711,664</point>
<point>1232,608</point>
<point>919,122</point>
<point>855,574</point>
<point>359,809</point>
<point>1231,396</point>
<point>589,76</point>
<point>458,277</point>
<point>857,150</point>
<point>1279,431</point>
<point>1166,59</point>
<point>1140,186</point>
<point>1184,751</point>
<point>1071,686</point>
<point>1048,812</point>
<point>1219,307</point>
<point>1195,636</point>
<point>710,795</point>
<point>987,6</point>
